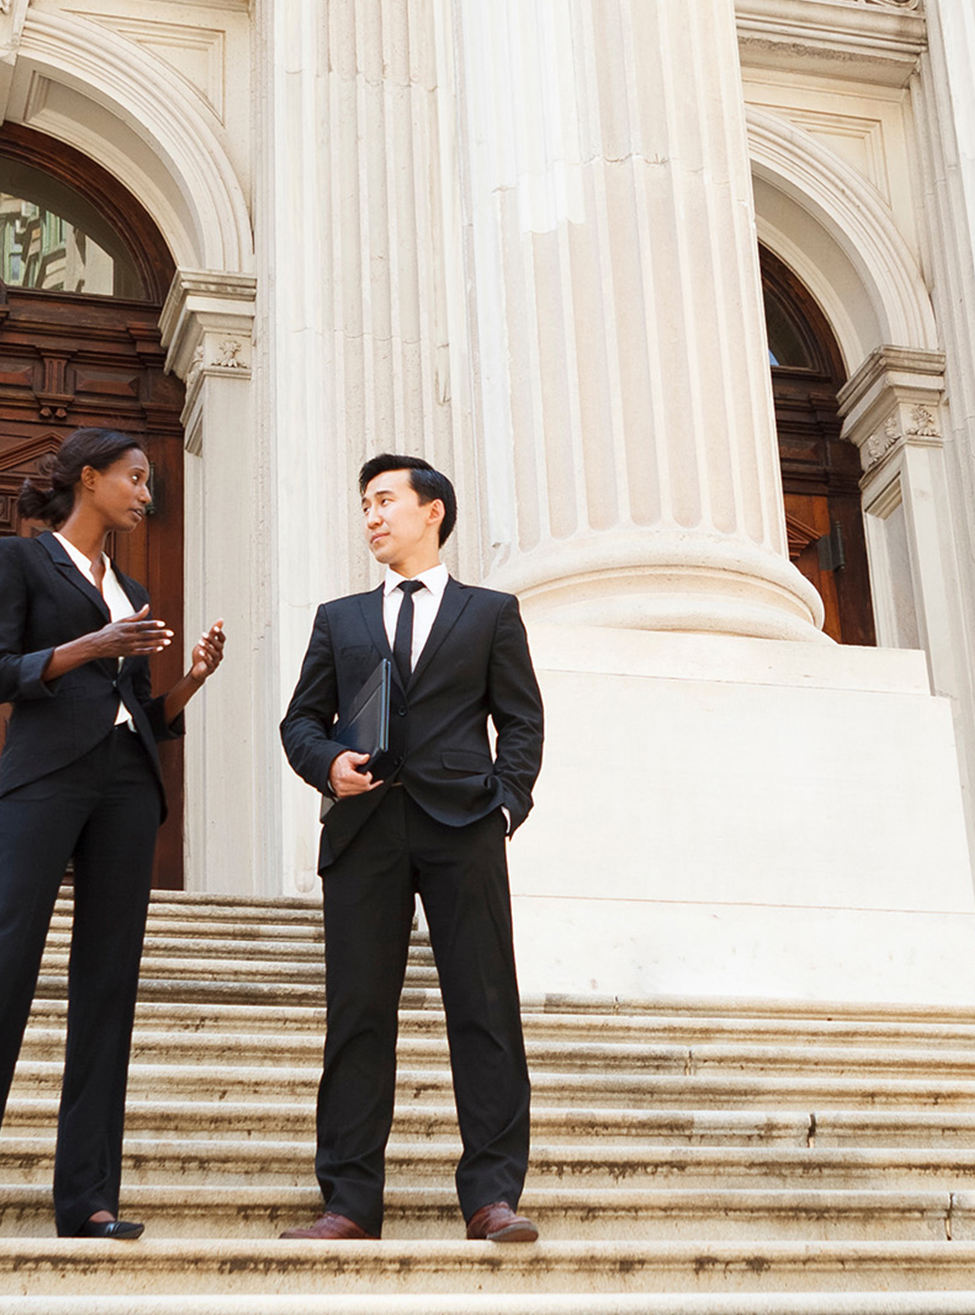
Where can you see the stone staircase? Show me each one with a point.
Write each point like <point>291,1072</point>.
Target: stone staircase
<point>693,1157</point>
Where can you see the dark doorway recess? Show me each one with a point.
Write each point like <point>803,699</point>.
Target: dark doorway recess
<point>820,470</point>
<point>74,352</point>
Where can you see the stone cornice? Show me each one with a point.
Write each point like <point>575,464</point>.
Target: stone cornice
<point>874,40</point>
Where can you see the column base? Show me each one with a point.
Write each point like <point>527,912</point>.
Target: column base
<point>649,580</point>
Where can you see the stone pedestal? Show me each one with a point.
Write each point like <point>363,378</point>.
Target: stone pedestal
<point>728,816</point>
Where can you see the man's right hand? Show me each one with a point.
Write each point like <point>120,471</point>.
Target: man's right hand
<point>345,778</point>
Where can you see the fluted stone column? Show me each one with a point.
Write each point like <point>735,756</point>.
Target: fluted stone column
<point>350,323</point>
<point>622,392</point>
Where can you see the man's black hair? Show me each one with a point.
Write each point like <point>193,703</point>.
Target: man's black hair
<point>428,484</point>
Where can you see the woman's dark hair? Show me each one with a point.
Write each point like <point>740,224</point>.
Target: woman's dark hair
<point>49,496</point>
<point>428,484</point>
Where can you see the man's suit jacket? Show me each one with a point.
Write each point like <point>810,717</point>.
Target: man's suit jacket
<point>474,665</point>
<point>46,601</point>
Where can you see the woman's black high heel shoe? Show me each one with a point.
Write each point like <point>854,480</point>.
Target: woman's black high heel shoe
<point>123,1230</point>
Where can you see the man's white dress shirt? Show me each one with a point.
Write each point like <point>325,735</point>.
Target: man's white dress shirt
<point>426,605</point>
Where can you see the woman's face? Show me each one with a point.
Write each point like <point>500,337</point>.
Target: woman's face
<point>120,492</point>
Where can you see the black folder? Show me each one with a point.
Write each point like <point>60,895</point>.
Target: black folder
<point>365,727</point>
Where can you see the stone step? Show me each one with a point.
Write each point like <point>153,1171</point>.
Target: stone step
<point>62,1268</point>
<point>562,1213</point>
<point>25,1159</point>
<point>242,909</point>
<point>219,928</point>
<point>624,1057</point>
<point>306,991</point>
<point>594,1088</point>
<point>276,1119</point>
<point>422,1012</point>
<point>178,967</point>
<point>513,1303</point>
<point>233,954</point>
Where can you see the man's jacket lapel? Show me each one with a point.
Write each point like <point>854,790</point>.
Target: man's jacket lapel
<point>455,599</point>
<point>372,612</point>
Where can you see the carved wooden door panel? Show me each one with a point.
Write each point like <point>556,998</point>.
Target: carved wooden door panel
<point>72,360</point>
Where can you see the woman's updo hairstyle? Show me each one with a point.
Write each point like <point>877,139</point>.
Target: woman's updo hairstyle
<point>61,471</point>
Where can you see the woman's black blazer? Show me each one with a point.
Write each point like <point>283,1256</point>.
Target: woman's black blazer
<point>46,601</point>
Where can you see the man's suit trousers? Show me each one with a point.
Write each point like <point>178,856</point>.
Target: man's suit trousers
<point>461,875</point>
<point>104,810</point>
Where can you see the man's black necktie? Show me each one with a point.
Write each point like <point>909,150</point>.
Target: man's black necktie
<point>403,639</point>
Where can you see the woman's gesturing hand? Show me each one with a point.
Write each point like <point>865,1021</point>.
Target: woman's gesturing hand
<point>207,656</point>
<point>133,636</point>
<point>208,652</point>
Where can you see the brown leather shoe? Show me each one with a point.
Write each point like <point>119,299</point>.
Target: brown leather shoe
<point>333,1228</point>
<point>499,1223</point>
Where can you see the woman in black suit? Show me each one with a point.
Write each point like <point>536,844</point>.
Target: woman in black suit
<point>79,778</point>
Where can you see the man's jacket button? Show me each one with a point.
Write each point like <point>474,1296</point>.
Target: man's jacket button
<point>401,712</point>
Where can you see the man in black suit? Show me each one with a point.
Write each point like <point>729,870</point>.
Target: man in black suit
<point>434,825</point>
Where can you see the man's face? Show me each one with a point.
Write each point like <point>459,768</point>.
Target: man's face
<point>401,531</point>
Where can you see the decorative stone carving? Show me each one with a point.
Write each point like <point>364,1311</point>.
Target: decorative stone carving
<point>206,327</point>
<point>195,370</point>
<point>893,398</point>
<point>923,424</point>
<point>880,444</point>
<point>229,355</point>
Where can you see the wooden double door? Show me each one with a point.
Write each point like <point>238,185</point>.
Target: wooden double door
<point>820,469</point>
<point>72,359</point>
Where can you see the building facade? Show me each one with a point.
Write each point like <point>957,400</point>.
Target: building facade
<point>681,297</point>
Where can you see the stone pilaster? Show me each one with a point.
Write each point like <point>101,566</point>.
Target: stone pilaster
<point>622,393</point>
<point>895,411</point>
<point>206,327</point>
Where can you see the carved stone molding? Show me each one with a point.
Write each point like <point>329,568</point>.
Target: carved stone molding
<point>196,54</point>
<point>206,326</point>
<point>893,400</point>
<point>12,15</point>
<point>881,40</point>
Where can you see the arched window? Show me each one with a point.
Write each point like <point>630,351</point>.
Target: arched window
<point>53,240</point>
<point>820,470</point>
